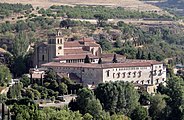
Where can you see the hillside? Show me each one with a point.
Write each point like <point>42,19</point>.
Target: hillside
<point>129,4</point>
<point>174,6</point>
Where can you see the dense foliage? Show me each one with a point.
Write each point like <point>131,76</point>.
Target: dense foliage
<point>5,75</point>
<point>8,9</point>
<point>90,12</point>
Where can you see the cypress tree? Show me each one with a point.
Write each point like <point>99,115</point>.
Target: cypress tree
<point>138,55</point>
<point>143,55</point>
<point>114,60</point>
<point>149,56</point>
<point>86,59</point>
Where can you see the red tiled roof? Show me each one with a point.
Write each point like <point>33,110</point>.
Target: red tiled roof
<point>74,51</point>
<point>105,65</point>
<point>72,44</point>
<point>73,57</point>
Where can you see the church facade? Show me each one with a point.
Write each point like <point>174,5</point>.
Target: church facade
<point>57,48</point>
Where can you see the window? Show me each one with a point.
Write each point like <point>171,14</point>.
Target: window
<point>123,75</point>
<point>139,74</point>
<point>129,73</point>
<point>118,74</point>
<point>58,41</point>
<point>155,72</point>
<point>113,75</point>
<point>148,81</point>
<point>107,73</point>
<point>134,73</point>
<point>157,81</point>
<point>160,71</point>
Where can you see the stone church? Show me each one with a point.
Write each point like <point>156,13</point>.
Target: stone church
<point>58,48</point>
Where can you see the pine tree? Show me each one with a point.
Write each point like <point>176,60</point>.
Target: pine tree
<point>86,59</point>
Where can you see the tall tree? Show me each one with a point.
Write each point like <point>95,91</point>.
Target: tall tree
<point>139,113</point>
<point>63,88</point>
<point>117,97</point>
<point>114,60</point>
<point>5,75</point>
<point>157,106</point>
<point>87,59</point>
<point>94,108</point>
<point>20,44</point>
<point>25,80</point>
<point>176,93</point>
<point>50,75</point>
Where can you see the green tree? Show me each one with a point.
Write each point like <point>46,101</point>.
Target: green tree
<point>25,80</point>
<point>118,44</point>
<point>18,67</point>
<point>105,44</point>
<point>15,91</point>
<point>119,117</point>
<point>87,116</point>
<point>20,44</point>
<point>114,60</point>
<point>157,106</point>
<point>87,59</point>
<point>5,75</point>
<point>50,75</point>
<point>67,80</point>
<point>117,97</point>
<point>101,19</point>
<point>150,57</point>
<point>139,113</point>
<point>138,55</point>
<point>143,56</point>
<point>83,100</point>
<point>94,108</point>
<point>53,85</point>
<point>175,91</point>
<point>63,88</point>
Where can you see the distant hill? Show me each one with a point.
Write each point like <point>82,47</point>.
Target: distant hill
<point>177,6</point>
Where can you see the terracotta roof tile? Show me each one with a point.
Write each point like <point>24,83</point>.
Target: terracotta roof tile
<point>74,51</point>
<point>72,44</point>
<point>105,65</point>
<point>73,57</point>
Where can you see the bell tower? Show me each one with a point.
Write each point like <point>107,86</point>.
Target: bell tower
<point>56,44</point>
